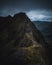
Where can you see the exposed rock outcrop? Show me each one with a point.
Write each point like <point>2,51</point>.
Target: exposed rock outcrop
<point>21,42</point>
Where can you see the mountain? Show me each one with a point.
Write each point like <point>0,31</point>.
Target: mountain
<point>46,30</point>
<point>21,42</point>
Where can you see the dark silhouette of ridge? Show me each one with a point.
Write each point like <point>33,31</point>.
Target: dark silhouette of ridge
<point>21,42</point>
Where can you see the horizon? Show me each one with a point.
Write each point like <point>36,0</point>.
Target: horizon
<point>40,10</point>
<point>34,16</point>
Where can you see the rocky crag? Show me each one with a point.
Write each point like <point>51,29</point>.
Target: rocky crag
<point>21,42</point>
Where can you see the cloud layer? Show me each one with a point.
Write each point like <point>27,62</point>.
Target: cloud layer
<point>35,9</point>
<point>38,15</point>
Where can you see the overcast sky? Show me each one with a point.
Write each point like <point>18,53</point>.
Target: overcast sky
<point>35,9</point>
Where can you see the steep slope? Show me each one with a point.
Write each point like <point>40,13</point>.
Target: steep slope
<point>21,42</point>
<point>46,29</point>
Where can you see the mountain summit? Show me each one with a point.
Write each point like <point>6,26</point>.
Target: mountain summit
<point>21,42</point>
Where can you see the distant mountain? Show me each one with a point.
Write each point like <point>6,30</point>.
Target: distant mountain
<point>46,30</point>
<point>21,42</point>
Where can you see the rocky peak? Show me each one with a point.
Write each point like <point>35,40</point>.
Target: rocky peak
<point>21,41</point>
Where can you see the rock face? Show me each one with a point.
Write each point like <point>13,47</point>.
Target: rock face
<point>21,42</point>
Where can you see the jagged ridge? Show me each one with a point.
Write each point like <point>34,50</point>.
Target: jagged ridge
<point>21,41</point>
